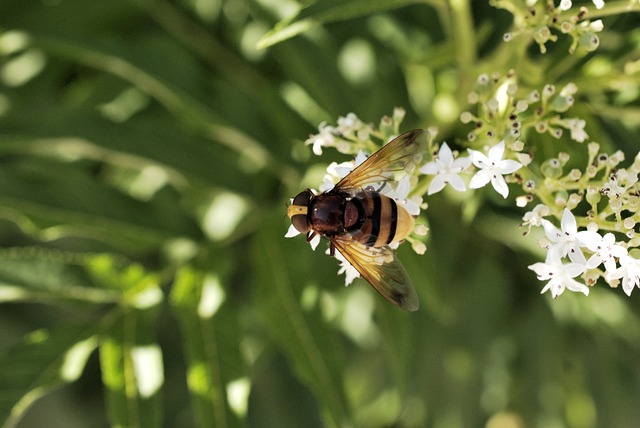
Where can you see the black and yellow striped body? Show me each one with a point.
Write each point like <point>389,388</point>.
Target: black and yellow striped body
<point>380,221</point>
<point>368,217</point>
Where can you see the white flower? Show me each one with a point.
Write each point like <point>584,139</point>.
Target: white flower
<point>401,195</point>
<point>565,5</point>
<point>605,249</point>
<point>535,217</point>
<point>598,3</point>
<point>612,189</point>
<point>294,232</point>
<point>576,126</point>
<point>324,138</point>
<point>349,124</point>
<point>492,168</point>
<point>350,273</point>
<point>446,170</point>
<point>560,276</point>
<point>629,271</point>
<point>291,232</point>
<point>565,241</point>
<point>597,25</point>
<point>337,171</point>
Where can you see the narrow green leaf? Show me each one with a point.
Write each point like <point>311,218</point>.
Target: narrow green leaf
<point>132,371</point>
<point>304,337</point>
<point>326,11</point>
<point>196,298</point>
<point>43,274</point>
<point>45,360</point>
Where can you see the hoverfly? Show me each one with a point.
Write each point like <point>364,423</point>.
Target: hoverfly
<point>361,223</point>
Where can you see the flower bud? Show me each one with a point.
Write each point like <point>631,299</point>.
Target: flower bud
<point>629,223</point>
<point>493,105</point>
<point>483,79</point>
<point>541,127</point>
<point>574,199</point>
<point>471,136</point>
<point>561,198</point>
<point>616,158</point>
<point>593,149</point>
<point>534,96</point>
<point>569,89</point>
<point>602,158</point>
<point>421,229</point>
<point>566,27</point>
<point>548,91</point>
<point>593,195</point>
<point>466,117</point>
<point>398,114</point>
<point>521,106</point>
<point>418,247</point>
<point>597,25</point>
<point>555,132</point>
<point>589,41</point>
<point>551,168</point>
<point>591,277</point>
<point>543,35</point>
<point>517,146</point>
<point>574,174</point>
<point>562,104</point>
<point>591,171</point>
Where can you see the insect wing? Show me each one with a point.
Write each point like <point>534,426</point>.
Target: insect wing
<point>400,155</point>
<point>382,269</point>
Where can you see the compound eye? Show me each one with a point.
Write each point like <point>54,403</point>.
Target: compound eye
<point>303,198</point>
<point>298,211</point>
<point>299,221</point>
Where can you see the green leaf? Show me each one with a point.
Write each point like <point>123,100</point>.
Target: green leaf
<point>196,299</point>
<point>47,359</point>
<point>303,336</point>
<point>132,371</point>
<point>36,273</point>
<point>327,11</point>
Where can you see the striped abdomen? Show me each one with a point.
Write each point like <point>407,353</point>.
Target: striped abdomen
<point>376,220</point>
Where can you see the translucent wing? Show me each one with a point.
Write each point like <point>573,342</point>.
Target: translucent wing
<point>382,269</point>
<point>400,155</point>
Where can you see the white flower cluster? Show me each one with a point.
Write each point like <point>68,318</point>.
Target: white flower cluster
<point>576,259</point>
<point>566,4</point>
<point>349,128</point>
<point>570,243</point>
<point>491,168</point>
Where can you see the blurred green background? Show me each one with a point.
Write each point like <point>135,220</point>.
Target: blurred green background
<point>147,154</point>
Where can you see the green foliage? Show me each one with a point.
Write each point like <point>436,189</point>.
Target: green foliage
<point>147,151</point>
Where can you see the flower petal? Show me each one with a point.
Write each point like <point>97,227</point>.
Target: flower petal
<point>498,183</point>
<point>291,232</point>
<point>568,223</point>
<point>436,185</point>
<point>509,166</point>
<point>496,152</point>
<point>430,168</point>
<point>461,164</point>
<point>445,155</point>
<point>456,182</point>
<point>480,179</point>
<point>479,160</point>
<point>552,232</point>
